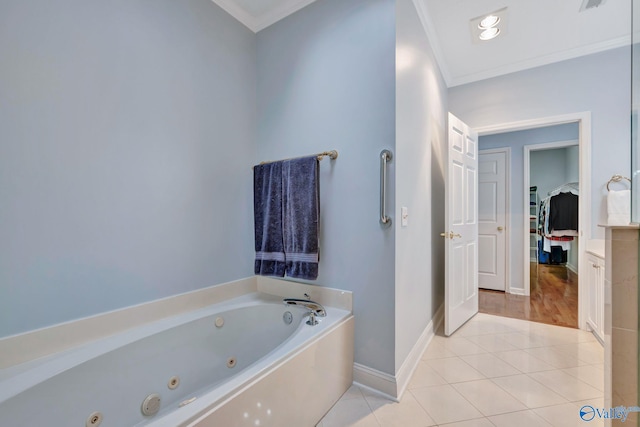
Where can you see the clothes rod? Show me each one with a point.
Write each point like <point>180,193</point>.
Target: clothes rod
<point>333,154</point>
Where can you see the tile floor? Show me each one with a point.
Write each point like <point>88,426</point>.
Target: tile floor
<point>494,371</point>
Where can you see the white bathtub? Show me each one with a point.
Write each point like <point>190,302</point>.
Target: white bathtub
<point>238,363</point>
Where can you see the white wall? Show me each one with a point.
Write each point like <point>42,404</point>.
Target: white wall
<point>421,110</point>
<point>599,83</point>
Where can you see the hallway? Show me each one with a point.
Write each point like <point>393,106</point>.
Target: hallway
<point>494,371</point>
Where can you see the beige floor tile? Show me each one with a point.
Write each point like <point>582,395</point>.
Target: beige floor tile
<point>528,391</point>
<point>454,370</point>
<point>462,346</point>
<point>566,385</point>
<point>492,343</point>
<point>590,374</point>
<point>425,376</point>
<point>488,398</point>
<point>520,419</point>
<point>479,422</point>
<point>444,404</point>
<point>590,353</point>
<point>554,357</point>
<point>523,340</point>
<point>524,361</point>
<point>490,366</point>
<point>436,350</point>
<point>596,403</point>
<point>407,413</point>
<point>485,327</point>
<point>478,371</point>
<point>350,413</point>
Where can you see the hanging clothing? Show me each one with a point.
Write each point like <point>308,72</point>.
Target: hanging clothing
<point>563,212</point>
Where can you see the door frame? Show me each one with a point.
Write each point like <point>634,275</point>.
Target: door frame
<point>507,201</point>
<point>584,205</point>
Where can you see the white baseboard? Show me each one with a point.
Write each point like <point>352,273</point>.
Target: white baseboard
<point>377,381</point>
<point>393,386</point>
<point>516,291</point>
<point>408,367</point>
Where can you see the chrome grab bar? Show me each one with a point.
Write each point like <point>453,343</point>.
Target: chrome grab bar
<point>385,156</point>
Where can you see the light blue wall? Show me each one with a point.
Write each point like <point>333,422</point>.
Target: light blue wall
<point>326,80</point>
<point>599,83</point>
<point>421,114</point>
<point>517,140</point>
<point>549,169</point>
<point>127,132</point>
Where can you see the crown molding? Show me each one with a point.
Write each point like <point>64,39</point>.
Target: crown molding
<point>433,38</point>
<point>258,23</point>
<point>239,13</point>
<point>281,12</point>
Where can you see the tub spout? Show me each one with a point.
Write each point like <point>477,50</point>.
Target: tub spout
<point>316,308</point>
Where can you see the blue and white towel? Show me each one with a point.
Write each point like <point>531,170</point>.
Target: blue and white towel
<point>267,209</point>
<point>286,201</point>
<point>301,216</point>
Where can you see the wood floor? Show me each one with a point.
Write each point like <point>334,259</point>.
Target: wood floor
<point>553,299</point>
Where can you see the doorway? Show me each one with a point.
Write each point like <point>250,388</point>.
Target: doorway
<point>519,278</point>
<point>553,255</point>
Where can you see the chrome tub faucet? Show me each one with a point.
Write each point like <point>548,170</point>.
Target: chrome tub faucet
<point>315,309</point>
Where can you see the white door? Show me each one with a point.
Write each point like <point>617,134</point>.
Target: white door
<point>461,220</point>
<point>492,214</point>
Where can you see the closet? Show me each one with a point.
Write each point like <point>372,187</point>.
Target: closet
<point>554,220</point>
<point>558,224</point>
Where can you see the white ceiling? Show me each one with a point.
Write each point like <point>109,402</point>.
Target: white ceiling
<point>538,32</point>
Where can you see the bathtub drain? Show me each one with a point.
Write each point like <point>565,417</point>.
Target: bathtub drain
<point>94,420</point>
<point>174,382</point>
<point>231,362</point>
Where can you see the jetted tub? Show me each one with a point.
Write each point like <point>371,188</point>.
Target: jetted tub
<point>248,361</point>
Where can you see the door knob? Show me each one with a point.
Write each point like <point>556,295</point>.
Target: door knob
<point>450,235</point>
<point>500,228</point>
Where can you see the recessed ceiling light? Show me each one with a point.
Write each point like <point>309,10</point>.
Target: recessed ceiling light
<point>489,26</point>
<point>488,22</point>
<point>489,33</point>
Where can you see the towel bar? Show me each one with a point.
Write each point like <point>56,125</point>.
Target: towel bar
<point>616,178</point>
<point>333,154</point>
<point>385,156</point>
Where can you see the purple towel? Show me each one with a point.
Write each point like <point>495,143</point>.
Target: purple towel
<point>267,210</point>
<point>300,216</point>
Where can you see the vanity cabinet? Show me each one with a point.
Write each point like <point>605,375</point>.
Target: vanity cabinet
<point>595,290</point>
